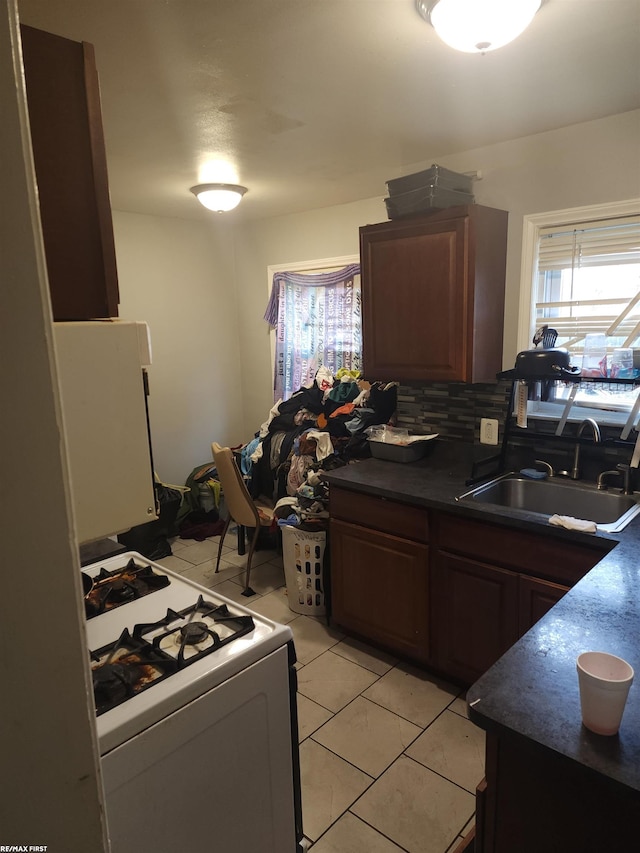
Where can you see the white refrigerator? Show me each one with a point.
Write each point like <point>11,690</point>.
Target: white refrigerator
<point>102,373</point>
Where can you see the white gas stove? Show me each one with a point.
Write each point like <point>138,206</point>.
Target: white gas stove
<point>190,685</point>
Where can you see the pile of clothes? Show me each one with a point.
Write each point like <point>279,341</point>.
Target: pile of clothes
<point>320,427</point>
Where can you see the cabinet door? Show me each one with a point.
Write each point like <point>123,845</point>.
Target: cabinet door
<point>433,295</point>
<point>475,615</point>
<point>543,802</point>
<point>537,554</point>
<point>415,304</point>
<point>381,514</point>
<point>71,172</point>
<point>380,588</point>
<point>537,597</point>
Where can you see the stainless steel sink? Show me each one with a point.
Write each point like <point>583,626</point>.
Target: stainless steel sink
<point>611,511</point>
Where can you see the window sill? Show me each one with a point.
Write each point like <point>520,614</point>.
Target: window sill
<point>578,412</point>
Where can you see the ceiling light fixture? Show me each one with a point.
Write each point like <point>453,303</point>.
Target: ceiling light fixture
<point>477,26</point>
<point>219,197</point>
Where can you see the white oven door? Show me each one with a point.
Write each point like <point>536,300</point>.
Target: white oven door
<point>216,775</point>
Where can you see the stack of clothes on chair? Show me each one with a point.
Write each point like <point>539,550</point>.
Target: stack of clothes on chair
<point>319,427</point>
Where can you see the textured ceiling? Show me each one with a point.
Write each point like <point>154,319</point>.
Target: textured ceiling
<point>311,103</point>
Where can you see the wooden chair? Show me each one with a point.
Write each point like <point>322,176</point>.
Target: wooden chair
<point>241,507</point>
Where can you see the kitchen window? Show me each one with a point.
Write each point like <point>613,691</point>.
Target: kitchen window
<point>315,309</point>
<point>581,275</point>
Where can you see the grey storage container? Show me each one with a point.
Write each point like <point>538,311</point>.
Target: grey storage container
<point>436,176</point>
<point>398,452</point>
<point>425,199</point>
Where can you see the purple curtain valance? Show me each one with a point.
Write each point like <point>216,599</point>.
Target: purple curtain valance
<point>325,279</point>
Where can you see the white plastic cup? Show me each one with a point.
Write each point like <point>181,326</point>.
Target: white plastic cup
<point>604,681</point>
<point>594,359</point>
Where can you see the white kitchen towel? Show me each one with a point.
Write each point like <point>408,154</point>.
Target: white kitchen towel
<point>572,523</point>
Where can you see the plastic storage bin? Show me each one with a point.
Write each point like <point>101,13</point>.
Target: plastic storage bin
<point>436,176</point>
<point>424,199</point>
<point>303,558</point>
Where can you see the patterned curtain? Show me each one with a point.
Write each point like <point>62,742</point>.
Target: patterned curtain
<point>318,321</point>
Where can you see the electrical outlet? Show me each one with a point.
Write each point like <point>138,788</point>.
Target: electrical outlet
<point>488,431</point>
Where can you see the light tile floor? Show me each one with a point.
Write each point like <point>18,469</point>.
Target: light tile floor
<point>389,760</point>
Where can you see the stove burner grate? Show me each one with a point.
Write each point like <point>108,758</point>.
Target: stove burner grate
<point>153,651</point>
<point>190,634</point>
<point>109,590</point>
<point>125,668</point>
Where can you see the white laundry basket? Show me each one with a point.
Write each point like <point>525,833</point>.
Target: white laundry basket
<point>303,558</point>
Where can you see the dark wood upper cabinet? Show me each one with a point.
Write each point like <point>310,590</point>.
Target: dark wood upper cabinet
<point>71,172</point>
<point>433,295</point>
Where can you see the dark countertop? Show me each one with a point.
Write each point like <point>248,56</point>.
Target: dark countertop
<point>532,691</point>
<point>434,482</point>
<point>92,552</point>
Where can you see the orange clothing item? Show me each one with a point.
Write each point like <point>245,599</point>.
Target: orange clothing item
<point>343,410</point>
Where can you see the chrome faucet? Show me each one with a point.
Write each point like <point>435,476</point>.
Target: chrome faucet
<point>622,471</point>
<point>547,465</point>
<point>595,429</point>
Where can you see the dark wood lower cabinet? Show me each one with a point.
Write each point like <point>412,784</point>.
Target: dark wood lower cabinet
<point>457,604</point>
<point>537,597</point>
<point>531,553</point>
<point>380,588</point>
<point>475,615</point>
<point>479,611</point>
<point>537,801</point>
<point>490,585</point>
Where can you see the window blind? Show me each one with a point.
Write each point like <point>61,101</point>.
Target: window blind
<point>588,281</point>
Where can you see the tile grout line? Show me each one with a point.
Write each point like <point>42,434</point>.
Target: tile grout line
<point>457,834</point>
<point>380,775</point>
<point>424,728</point>
<point>334,714</point>
<point>435,772</point>
<point>366,823</point>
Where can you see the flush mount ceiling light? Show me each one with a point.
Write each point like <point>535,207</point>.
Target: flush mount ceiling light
<point>219,197</point>
<point>477,26</point>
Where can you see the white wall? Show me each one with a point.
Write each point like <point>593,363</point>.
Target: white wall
<point>583,164</point>
<point>179,276</point>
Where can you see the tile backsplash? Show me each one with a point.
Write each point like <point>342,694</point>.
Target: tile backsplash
<point>452,409</point>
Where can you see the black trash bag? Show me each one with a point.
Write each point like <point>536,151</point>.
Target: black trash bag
<point>152,539</point>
